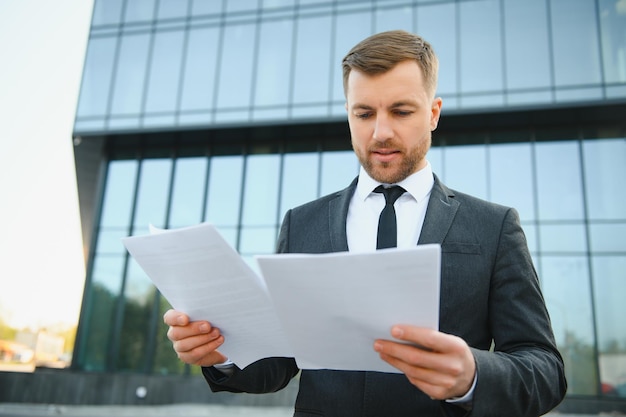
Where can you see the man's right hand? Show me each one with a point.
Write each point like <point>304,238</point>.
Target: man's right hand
<point>195,342</point>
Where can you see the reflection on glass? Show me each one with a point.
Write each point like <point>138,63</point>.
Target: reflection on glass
<point>106,12</point>
<point>224,194</point>
<point>119,194</point>
<point>565,285</point>
<point>169,9</point>
<point>609,290</point>
<point>605,171</point>
<point>272,71</point>
<point>563,238</point>
<point>235,77</point>
<point>106,278</point>
<point>138,10</point>
<point>258,240</point>
<point>136,322</point>
<point>613,37</point>
<point>312,57</point>
<point>437,23</point>
<point>166,361</point>
<point>466,169</point>
<point>96,84</point>
<point>559,185</point>
<point>481,46</point>
<point>575,20</point>
<point>164,74</point>
<point>338,170</point>
<point>200,69</point>
<point>131,74</point>
<point>188,192</point>
<point>608,237</point>
<point>511,179</point>
<point>300,178</point>
<point>153,194</point>
<point>527,51</point>
<point>260,201</point>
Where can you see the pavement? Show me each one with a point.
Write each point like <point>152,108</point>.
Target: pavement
<point>173,410</point>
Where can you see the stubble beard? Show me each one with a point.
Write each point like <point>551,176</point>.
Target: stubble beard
<point>394,172</point>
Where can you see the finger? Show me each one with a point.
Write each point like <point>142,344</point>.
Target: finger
<point>175,318</point>
<point>194,328</point>
<point>428,339</point>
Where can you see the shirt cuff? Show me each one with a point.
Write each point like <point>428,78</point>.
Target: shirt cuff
<point>226,367</point>
<point>468,397</point>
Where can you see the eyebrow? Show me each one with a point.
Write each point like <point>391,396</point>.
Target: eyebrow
<point>394,105</point>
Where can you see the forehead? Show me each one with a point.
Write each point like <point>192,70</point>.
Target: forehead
<point>403,80</point>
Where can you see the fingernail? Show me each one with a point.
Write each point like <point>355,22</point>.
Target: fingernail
<point>397,332</point>
<point>204,328</point>
<point>378,347</point>
<point>180,320</point>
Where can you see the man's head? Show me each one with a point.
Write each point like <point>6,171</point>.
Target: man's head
<point>390,81</point>
<point>382,51</point>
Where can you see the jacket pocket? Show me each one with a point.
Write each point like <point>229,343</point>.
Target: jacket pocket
<point>466,248</point>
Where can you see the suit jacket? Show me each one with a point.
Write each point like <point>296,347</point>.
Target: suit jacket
<point>490,293</point>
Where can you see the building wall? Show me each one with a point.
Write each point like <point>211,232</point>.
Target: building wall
<point>232,112</point>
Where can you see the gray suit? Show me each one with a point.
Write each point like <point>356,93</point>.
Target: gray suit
<point>489,291</point>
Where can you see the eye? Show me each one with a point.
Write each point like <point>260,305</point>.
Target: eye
<point>363,116</point>
<point>403,113</point>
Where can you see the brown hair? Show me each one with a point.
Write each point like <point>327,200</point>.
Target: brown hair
<point>381,52</point>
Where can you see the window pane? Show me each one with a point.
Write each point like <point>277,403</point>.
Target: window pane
<point>388,18</point>
<point>563,238</point>
<point>609,290</point>
<point>605,171</point>
<point>579,62</point>
<point>138,306</point>
<point>565,284</point>
<point>106,12</point>
<point>199,74</point>
<point>172,8</point>
<point>164,75</point>
<point>299,180</point>
<point>236,67</point>
<point>527,51</point>
<point>437,23</point>
<point>119,194</point>
<point>152,197</point>
<point>610,237</point>
<point>96,84</point>
<point>225,190</point>
<point>139,10</point>
<point>273,68</point>
<point>481,46</point>
<point>511,179</point>
<point>350,28</point>
<point>466,169</point>
<point>166,361</point>
<point>260,200</point>
<point>131,74</point>
<point>105,288</point>
<point>558,181</point>
<point>613,36</point>
<point>203,7</point>
<point>338,170</point>
<point>258,240</point>
<point>312,60</point>
<point>188,192</point>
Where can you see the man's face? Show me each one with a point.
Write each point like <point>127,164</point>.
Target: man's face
<point>391,116</point>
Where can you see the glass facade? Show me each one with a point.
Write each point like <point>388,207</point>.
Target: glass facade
<point>246,97</point>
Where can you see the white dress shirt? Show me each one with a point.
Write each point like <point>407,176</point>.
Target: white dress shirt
<point>366,205</point>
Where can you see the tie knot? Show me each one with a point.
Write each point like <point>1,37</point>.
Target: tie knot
<point>391,193</point>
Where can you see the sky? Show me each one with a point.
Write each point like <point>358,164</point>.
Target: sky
<point>42,272</point>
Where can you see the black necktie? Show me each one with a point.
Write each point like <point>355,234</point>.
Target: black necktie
<point>387,228</point>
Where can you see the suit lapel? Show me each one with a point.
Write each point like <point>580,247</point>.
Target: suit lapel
<point>442,207</point>
<point>337,216</point>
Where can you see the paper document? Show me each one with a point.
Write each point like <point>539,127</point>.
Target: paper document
<point>324,310</point>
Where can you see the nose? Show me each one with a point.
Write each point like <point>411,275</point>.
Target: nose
<point>383,130</point>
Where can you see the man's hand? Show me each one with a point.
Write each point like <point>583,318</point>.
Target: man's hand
<point>195,342</point>
<point>442,366</point>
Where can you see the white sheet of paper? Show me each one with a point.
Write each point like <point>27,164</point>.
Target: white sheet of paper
<point>333,306</point>
<point>199,273</point>
<point>325,310</point>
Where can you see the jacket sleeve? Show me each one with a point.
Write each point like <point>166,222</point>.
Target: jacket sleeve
<point>523,375</point>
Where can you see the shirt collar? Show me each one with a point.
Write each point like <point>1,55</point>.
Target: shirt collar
<point>418,184</point>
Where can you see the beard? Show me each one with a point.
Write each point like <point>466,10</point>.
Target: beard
<point>394,172</point>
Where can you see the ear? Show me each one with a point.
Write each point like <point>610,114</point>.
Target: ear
<point>435,112</point>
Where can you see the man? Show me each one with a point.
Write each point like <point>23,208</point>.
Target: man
<point>495,353</point>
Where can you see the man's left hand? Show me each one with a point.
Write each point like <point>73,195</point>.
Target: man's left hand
<point>440,365</point>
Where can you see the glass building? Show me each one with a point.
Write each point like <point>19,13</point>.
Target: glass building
<point>231,112</point>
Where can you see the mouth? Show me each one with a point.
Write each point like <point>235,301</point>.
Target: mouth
<point>385,155</point>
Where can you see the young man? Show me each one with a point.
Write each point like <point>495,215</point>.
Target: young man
<point>489,289</point>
